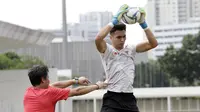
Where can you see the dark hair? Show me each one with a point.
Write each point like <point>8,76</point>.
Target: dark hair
<point>118,27</point>
<point>36,73</point>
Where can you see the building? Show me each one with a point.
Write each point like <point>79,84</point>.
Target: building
<point>98,19</point>
<point>166,12</point>
<point>89,26</point>
<point>171,20</point>
<point>167,35</point>
<point>92,22</point>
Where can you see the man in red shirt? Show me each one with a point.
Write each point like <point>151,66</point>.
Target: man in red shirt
<point>42,97</point>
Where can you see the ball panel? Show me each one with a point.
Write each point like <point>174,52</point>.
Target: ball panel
<point>124,19</point>
<point>132,16</point>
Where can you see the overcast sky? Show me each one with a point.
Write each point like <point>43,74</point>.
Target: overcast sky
<point>47,14</point>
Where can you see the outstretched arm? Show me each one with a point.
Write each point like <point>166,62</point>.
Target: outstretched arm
<point>62,94</point>
<point>152,42</point>
<point>64,84</point>
<point>86,89</point>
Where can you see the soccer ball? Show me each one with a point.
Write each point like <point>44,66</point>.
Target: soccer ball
<point>132,16</point>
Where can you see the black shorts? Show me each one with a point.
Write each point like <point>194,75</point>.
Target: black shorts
<point>119,102</point>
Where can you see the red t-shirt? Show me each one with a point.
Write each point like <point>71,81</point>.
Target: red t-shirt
<point>43,100</point>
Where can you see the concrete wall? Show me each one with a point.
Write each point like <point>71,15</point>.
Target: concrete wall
<point>13,84</point>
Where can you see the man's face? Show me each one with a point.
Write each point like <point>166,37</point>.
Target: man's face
<point>118,39</point>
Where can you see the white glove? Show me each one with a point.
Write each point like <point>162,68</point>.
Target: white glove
<point>117,17</point>
<point>143,15</point>
<point>142,21</point>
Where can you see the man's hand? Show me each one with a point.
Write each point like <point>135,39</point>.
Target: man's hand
<point>117,17</point>
<point>142,21</point>
<point>143,15</point>
<point>101,84</point>
<point>83,81</point>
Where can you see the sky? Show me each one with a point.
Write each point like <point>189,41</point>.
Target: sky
<point>47,14</point>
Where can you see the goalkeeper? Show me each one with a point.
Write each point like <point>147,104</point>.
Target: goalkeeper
<point>119,62</point>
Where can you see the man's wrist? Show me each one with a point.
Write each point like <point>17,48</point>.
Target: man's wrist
<point>111,24</point>
<point>76,80</point>
<point>97,86</point>
<point>114,21</point>
<point>144,25</point>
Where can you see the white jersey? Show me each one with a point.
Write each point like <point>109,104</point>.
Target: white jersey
<point>119,67</point>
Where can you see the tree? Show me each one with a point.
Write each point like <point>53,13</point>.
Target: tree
<point>150,75</point>
<point>12,55</point>
<point>15,59</point>
<point>5,62</point>
<point>183,64</point>
<point>11,60</point>
<point>29,61</point>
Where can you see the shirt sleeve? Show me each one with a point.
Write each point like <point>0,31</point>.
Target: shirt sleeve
<point>107,53</point>
<point>59,94</point>
<point>133,49</point>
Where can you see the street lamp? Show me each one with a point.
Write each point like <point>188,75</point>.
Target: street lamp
<point>65,39</point>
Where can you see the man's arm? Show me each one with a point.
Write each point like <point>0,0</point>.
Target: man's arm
<point>62,94</point>
<point>64,84</point>
<point>99,41</point>
<point>86,89</point>
<point>152,42</point>
<point>145,46</point>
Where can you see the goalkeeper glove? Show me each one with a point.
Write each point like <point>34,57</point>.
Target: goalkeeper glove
<point>117,17</point>
<point>142,21</point>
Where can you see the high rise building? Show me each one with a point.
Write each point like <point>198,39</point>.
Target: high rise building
<point>166,12</point>
<point>92,22</point>
<point>167,35</point>
<point>171,20</point>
